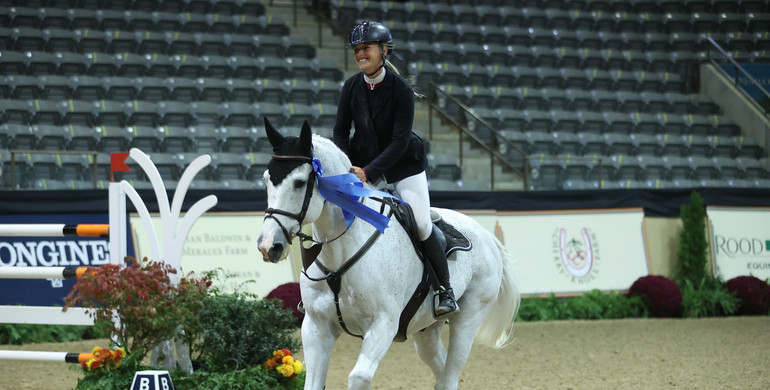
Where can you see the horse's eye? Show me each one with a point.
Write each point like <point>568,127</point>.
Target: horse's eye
<point>299,184</point>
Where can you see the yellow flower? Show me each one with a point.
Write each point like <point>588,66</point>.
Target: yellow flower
<point>297,366</point>
<point>286,370</point>
<point>287,360</point>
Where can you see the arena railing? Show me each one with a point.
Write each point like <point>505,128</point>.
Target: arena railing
<point>718,56</point>
<point>471,127</point>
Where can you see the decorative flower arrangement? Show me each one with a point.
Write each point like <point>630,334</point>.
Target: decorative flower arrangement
<point>104,359</point>
<point>290,296</point>
<point>661,294</point>
<point>753,292</point>
<point>284,364</point>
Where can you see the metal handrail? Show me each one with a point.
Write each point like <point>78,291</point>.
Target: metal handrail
<point>493,152</point>
<point>14,152</point>
<point>740,69</point>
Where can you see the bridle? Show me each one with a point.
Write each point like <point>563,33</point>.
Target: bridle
<point>299,217</point>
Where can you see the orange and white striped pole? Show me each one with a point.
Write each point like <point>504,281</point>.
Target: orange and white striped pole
<point>64,357</point>
<point>42,272</point>
<point>54,230</point>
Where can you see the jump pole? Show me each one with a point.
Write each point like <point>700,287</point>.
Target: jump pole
<point>40,356</point>
<point>54,230</point>
<point>42,272</point>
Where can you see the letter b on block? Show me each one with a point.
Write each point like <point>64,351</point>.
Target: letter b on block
<point>152,380</point>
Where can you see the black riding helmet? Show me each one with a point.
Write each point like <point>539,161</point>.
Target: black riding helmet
<point>367,31</point>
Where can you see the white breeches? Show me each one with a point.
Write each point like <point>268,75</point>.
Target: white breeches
<point>413,190</point>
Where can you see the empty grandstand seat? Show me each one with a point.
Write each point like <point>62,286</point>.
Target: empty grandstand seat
<point>229,166</point>
<point>111,139</point>
<point>205,89</point>
<point>654,168</point>
<point>40,63</point>
<point>441,166</point>
<point>236,139</point>
<point>752,168</point>
<point>154,89</point>
<point>50,137</point>
<point>174,113</point>
<point>23,87</point>
<point>592,144</point>
<point>238,114</point>
<point>627,168</point>
<point>204,113</point>
<point>169,166</point>
<point>80,137</point>
<point>257,164</point>
<point>145,138</point>
<point>55,87</point>
<point>206,138</point>
<point>546,172</point>
<point>180,89</point>
<point>175,139</point>
<point>565,121</point>
<point>325,115</point>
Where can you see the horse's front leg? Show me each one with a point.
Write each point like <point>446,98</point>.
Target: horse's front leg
<point>376,343</point>
<point>317,341</point>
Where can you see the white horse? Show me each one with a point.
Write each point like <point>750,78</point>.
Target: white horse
<point>374,291</point>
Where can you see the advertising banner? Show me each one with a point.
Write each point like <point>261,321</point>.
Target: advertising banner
<point>740,241</point>
<point>572,252</point>
<point>225,241</point>
<point>67,251</point>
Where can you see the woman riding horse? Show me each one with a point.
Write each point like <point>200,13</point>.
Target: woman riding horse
<point>381,104</point>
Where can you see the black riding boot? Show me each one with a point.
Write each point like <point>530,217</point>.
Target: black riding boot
<point>433,250</point>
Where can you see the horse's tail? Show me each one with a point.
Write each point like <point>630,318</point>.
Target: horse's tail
<point>496,329</point>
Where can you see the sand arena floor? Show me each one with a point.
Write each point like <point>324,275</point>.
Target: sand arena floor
<point>713,353</point>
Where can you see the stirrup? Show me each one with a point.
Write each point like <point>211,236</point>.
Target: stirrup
<point>441,311</point>
<point>301,307</point>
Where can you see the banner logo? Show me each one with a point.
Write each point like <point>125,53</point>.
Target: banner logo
<point>576,255</point>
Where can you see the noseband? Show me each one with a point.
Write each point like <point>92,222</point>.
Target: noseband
<point>299,217</point>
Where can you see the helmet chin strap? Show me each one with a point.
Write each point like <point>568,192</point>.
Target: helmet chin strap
<point>384,56</point>
<point>375,71</point>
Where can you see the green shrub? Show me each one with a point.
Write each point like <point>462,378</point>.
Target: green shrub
<point>702,294</point>
<point>249,378</point>
<point>593,305</point>
<point>708,300</point>
<point>693,245</point>
<point>239,331</point>
<point>19,334</point>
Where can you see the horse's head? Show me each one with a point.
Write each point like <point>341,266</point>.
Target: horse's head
<point>291,192</point>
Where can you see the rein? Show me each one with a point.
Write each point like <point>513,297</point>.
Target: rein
<point>334,278</point>
<point>309,255</point>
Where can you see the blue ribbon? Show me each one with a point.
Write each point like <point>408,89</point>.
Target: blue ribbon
<point>345,191</point>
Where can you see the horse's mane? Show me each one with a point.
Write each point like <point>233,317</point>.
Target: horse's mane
<point>333,160</point>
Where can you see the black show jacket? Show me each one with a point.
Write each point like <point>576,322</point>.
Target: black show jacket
<point>383,143</point>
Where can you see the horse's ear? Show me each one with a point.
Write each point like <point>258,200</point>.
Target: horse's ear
<point>306,140</point>
<point>275,138</point>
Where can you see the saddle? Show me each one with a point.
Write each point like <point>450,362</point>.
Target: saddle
<point>452,239</point>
